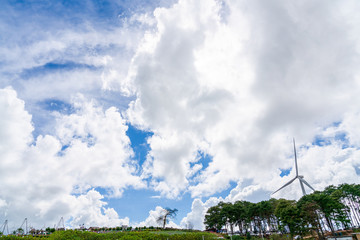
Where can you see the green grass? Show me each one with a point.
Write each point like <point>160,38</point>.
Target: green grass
<point>169,232</point>
<point>143,235</point>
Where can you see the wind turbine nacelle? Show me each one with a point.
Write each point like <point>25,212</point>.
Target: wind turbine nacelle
<point>300,176</point>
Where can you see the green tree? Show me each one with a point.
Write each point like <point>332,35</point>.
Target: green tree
<point>351,197</point>
<point>228,214</point>
<point>20,231</point>
<point>310,212</point>
<point>338,211</point>
<point>214,218</point>
<point>240,215</point>
<point>251,216</point>
<point>289,215</point>
<point>333,208</point>
<point>49,230</point>
<point>273,220</point>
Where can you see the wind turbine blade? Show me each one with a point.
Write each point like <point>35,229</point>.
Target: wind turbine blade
<point>307,184</point>
<point>302,187</point>
<point>297,171</point>
<point>285,185</point>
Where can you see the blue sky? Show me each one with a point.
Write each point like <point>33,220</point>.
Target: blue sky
<point>113,110</point>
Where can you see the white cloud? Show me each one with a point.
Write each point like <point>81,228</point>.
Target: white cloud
<point>2,203</point>
<point>239,87</point>
<point>99,152</point>
<point>151,220</point>
<point>90,149</point>
<point>170,100</point>
<point>45,57</point>
<point>195,219</point>
<point>235,80</point>
<point>331,164</point>
<point>87,209</point>
<point>15,122</point>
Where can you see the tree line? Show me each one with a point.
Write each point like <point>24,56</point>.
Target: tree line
<point>332,209</point>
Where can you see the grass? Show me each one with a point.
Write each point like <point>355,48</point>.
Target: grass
<point>170,232</point>
<point>143,235</point>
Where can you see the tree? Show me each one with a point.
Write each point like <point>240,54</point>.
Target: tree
<point>49,230</point>
<point>273,221</point>
<point>331,209</point>
<point>20,231</point>
<point>213,218</point>
<point>228,214</point>
<point>350,197</point>
<point>165,215</point>
<point>310,212</point>
<point>289,216</point>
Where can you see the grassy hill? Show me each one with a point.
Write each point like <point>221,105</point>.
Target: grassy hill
<point>144,235</point>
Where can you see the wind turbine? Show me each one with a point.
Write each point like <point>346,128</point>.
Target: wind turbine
<point>300,177</point>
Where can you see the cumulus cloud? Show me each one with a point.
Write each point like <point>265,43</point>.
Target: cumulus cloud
<point>333,161</point>
<point>170,100</point>
<point>238,86</point>
<point>231,80</point>
<point>15,122</point>
<point>195,218</point>
<point>90,209</point>
<point>90,149</point>
<point>152,219</point>
<point>99,152</point>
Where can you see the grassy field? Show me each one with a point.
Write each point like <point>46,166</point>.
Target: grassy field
<point>144,235</point>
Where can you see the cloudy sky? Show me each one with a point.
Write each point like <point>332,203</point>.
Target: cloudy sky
<point>111,110</point>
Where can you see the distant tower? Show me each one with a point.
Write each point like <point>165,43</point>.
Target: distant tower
<point>26,226</point>
<point>60,225</point>
<point>5,226</point>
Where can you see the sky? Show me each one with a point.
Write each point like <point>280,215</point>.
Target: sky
<point>113,110</point>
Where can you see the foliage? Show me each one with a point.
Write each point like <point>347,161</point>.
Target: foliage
<point>50,230</point>
<point>213,218</point>
<point>289,215</point>
<point>332,209</point>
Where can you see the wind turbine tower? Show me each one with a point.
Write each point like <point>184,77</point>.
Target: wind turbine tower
<point>5,226</point>
<point>26,226</point>
<point>300,177</point>
<point>60,225</point>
